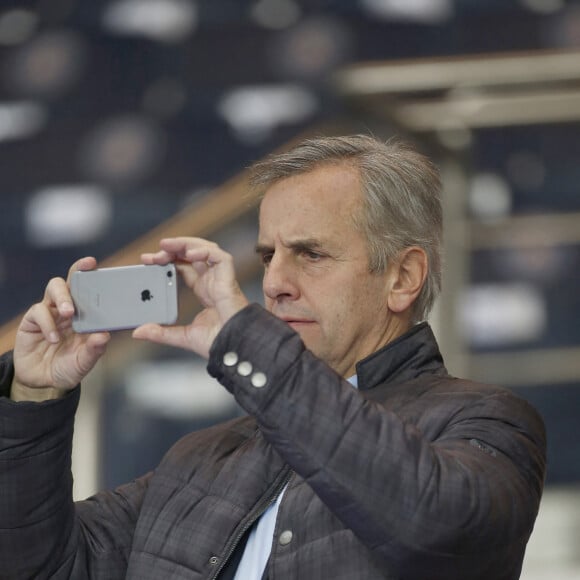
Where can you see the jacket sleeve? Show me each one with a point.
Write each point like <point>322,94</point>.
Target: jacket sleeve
<point>43,534</point>
<point>459,504</point>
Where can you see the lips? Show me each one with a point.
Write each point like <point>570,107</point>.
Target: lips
<point>296,322</point>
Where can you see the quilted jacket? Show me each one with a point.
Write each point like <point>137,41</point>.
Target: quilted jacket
<point>414,475</point>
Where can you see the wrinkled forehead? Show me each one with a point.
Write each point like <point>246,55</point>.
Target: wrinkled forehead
<point>328,184</point>
<point>311,204</point>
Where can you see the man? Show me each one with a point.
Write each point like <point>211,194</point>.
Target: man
<point>360,457</point>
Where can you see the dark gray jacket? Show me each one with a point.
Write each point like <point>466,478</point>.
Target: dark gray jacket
<point>415,475</point>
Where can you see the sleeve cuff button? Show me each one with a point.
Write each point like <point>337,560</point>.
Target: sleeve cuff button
<point>230,359</point>
<point>259,380</point>
<point>244,368</point>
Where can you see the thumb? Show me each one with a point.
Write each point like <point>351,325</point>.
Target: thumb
<point>169,335</point>
<point>93,349</point>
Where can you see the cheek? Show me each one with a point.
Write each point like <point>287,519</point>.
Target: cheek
<point>267,302</point>
<point>365,300</point>
<point>336,310</point>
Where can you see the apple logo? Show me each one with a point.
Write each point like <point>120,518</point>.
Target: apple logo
<point>146,295</point>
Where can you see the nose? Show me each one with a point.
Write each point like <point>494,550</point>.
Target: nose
<point>280,281</point>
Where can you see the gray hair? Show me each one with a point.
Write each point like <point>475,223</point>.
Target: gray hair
<point>402,198</point>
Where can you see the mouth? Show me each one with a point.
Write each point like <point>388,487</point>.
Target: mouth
<point>297,322</point>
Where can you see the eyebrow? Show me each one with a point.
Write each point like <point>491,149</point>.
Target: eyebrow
<point>296,246</point>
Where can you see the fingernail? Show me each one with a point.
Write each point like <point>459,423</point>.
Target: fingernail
<point>53,336</point>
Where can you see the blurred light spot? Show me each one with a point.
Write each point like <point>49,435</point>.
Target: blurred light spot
<point>48,65</point>
<point>526,170</point>
<point>490,197</point>
<point>67,215</point>
<point>428,11</point>
<point>177,398</point>
<point>544,265</point>
<point>161,20</point>
<point>311,49</point>
<point>543,6</point>
<point>21,120</point>
<point>123,150</point>
<point>276,14</point>
<point>454,135</point>
<point>165,98</point>
<point>17,26</point>
<point>495,314</point>
<point>563,29</point>
<point>254,112</point>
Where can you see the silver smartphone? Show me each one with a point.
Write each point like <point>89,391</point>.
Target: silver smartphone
<point>124,297</point>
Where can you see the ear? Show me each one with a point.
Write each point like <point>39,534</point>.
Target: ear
<point>408,276</point>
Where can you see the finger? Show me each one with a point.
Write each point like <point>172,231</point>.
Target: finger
<point>173,249</point>
<point>61,295</point>
<point>57,292</point>
<point>168,335</point>
<point>95,346</point>
<point>181,247</point>
<point>187,273</point>
<point>196,261</point>
<point>40,318</point>
<point>91,351</point>
<point>181,243</point>
<point>162,257</point>
<point>210,255</point>
<point>57,295</point>
<point>86,263</point>
<point>97,340</point>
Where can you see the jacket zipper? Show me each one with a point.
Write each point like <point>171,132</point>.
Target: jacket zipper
<point>267,500</point>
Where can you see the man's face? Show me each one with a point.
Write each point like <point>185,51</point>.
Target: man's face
<point>317,274</point>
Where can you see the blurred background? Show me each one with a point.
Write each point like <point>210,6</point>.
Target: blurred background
<point>123,121</point>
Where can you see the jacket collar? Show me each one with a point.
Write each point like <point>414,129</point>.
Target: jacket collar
<point>403,359</point>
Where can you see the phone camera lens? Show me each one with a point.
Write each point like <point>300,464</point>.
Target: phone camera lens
<point>170,274</point>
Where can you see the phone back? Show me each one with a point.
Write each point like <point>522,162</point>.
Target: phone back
<point>124,297</point>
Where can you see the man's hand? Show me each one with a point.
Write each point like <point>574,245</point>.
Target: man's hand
<point>209,272</point>
<point>49,357</point>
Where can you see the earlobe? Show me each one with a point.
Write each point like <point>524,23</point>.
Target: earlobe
<point>409,274</point>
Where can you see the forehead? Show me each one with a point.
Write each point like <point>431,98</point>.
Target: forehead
<point>320,200</point>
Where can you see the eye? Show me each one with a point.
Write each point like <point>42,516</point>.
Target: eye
<point>267,258</point>
<point>312,255</point>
